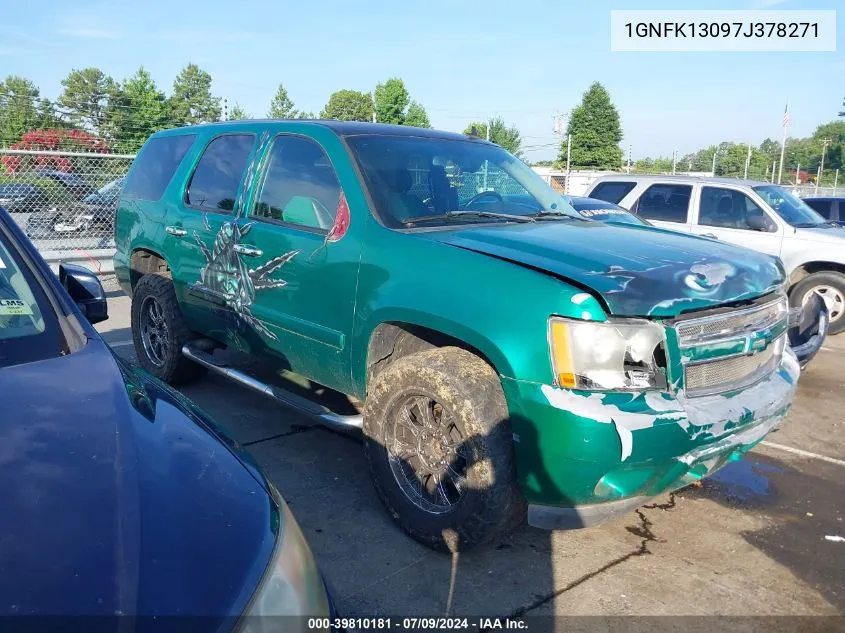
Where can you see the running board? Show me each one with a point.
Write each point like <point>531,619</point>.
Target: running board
<point>318,412</point>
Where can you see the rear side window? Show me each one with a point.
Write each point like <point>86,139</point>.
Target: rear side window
<point>155,166</point>
<point>218,175</point>
<point>822,207</point>
<point>666,203</point>
<point>612,191</point>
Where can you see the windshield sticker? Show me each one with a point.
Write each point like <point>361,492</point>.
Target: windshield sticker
<point>587,213</point>
<point>14,307</point>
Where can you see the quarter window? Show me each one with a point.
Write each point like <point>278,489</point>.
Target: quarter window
<point>299,185</point>
<point>218,174</point>
<point>155,166</point>
<point>731,209</point>
<point>667,203</point>
<point>612,191</point>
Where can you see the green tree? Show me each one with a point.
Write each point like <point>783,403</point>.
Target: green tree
<point>281,107</point>
<point>596,131</point>
<point>191,101</point>
<point>19,100</point>
<point>391,101</point>
<point>237,113</point>
<point>136,108</point>
<point>349,105</point>
<point>417,116</point>
<point>501,134</point>
<point>85,97</point>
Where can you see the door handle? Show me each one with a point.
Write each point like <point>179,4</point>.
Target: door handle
<point>708,235</point>
<point>249,251</point>
<point>176,231</point>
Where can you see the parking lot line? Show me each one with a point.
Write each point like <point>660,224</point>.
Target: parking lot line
<point>802,453</point>
<point>120,343</point>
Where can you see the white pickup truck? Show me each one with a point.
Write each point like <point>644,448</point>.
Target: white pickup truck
<point>758,215</point>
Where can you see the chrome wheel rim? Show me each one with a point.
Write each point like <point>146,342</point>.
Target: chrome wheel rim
<point>427,454</point>
<point>835,300</point>
<point>155,335</point>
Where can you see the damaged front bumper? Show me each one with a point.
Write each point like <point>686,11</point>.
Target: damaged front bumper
<point>583,458</point>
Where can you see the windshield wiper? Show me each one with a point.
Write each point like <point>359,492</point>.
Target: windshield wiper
<point>478,214</point>
<point>557,215</point>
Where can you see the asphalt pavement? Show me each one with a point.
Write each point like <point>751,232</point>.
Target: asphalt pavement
<point>758,538</point>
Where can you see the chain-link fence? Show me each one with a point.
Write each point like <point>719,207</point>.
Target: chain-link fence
<point>65,201</point>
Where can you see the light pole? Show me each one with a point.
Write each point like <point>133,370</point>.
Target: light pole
<point>825,143</point>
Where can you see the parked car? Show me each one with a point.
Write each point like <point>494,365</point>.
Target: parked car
<point>120,495</point>
<point>74,183</point>
<point>93,215</point>
<point>22,197</point>
<point>757,215</point>
<point>830,208</point>
<point>504,350</point>
<point>603,211</point>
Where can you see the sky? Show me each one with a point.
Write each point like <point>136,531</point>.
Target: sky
<point>464,61</point>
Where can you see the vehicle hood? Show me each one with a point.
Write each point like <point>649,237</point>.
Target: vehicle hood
<point>826,234</point>
<point>633,270</point>
<point>119,497</point>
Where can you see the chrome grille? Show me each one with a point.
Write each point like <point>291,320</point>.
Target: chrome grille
<point>731,373</point>
<point>731,323</point>
<point>735,371</point>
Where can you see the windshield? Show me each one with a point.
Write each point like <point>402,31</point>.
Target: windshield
<point>110,190</point>
<point>29,329</point>
<point>412,177</point>
<point>605,212</point>
<point>790,207</point>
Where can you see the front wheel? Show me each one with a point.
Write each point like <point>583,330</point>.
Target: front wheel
<point>829,285</point>
<point>439,448</point>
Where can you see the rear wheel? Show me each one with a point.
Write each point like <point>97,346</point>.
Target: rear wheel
<point>159,331</point>
<point>829,285</point>
<point>439,448</point>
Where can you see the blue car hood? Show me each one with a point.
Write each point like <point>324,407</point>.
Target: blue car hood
<point>633,270</point>
<point>119,497</point>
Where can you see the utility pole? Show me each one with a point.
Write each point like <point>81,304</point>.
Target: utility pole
<point>674,160</point>
<point>747,162</point>
<point>835,180</point>
<point>568,156</point>
<point>713,170</point>
<point>774,169</point>
<point>818,177</point>
<point>786,121</point>
<point>798,173</point>
<point>629,158</point>
<point>825,143</point>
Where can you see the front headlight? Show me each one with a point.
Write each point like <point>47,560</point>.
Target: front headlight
<point>612,355</point>
<point>292,586</point>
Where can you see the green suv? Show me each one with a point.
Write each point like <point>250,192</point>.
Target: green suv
<point>503,355</point>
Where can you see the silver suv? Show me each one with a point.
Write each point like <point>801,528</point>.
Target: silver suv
<point>758,215</point>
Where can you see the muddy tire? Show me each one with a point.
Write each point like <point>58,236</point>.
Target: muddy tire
<point>828,283</point>
<point>159,331</point>
<point>439,448</point>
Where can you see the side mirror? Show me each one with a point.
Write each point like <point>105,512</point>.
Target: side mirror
<point>759,223</point>
<point>85,289</point>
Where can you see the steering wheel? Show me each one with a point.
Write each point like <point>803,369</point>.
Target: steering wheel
<point>478,196</point>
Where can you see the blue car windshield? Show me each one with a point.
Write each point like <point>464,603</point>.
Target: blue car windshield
<point>29,329</point>
<point>605,212</point>
<point>430,181</point>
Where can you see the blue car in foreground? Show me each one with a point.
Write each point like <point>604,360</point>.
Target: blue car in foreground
<point>120,496</point>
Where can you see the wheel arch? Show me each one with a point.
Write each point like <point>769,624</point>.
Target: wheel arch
<point>393,339</point>
<point>143,261</point>
<point>808,268</point>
